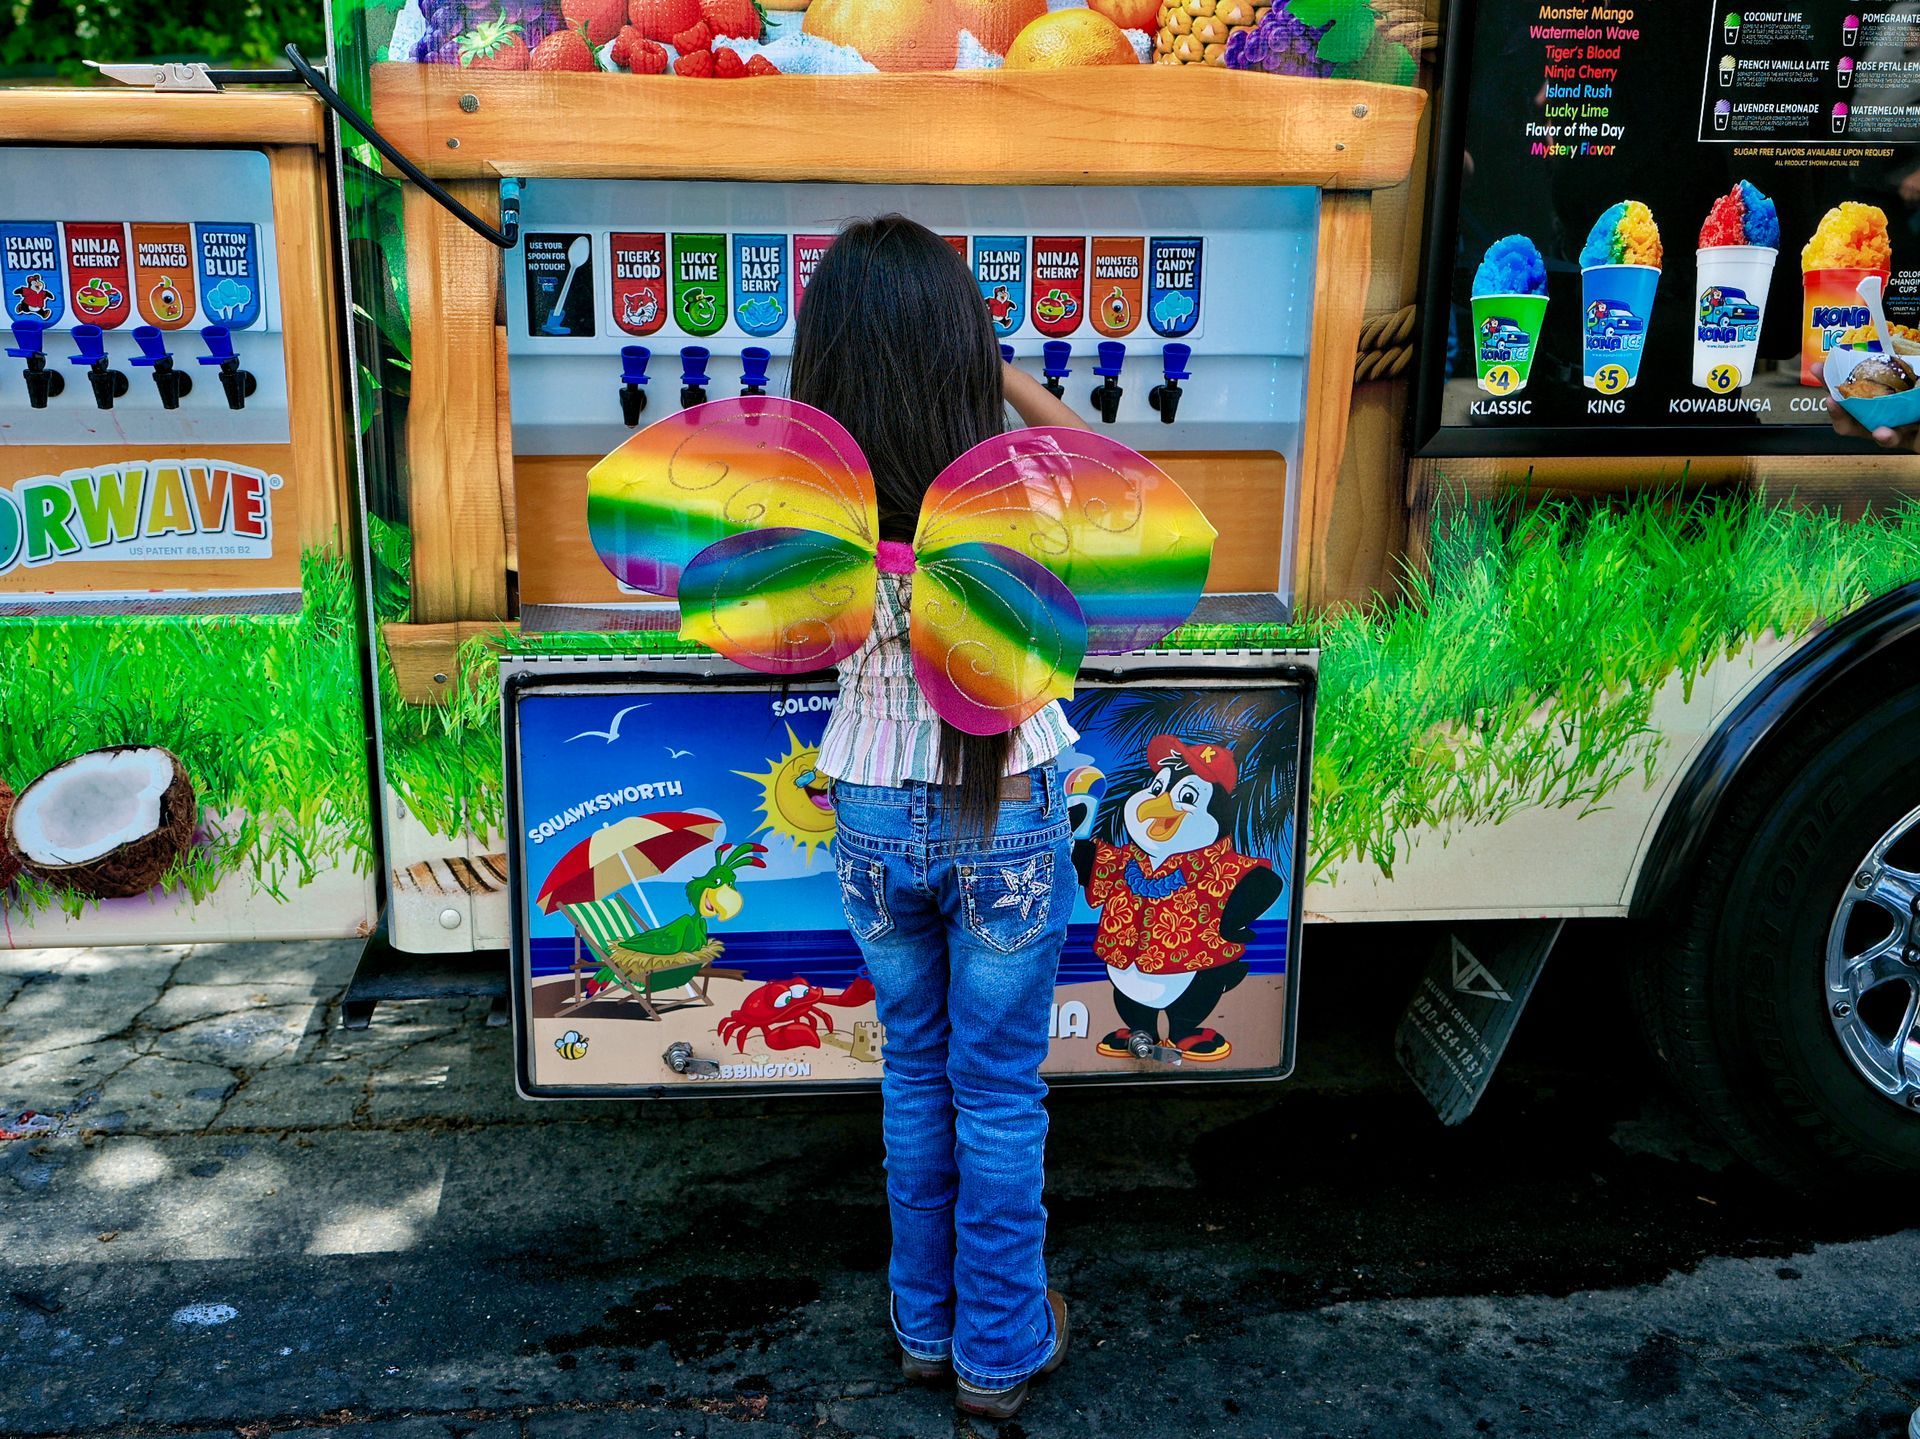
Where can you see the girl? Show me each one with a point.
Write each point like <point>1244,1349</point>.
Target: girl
<point>952,848</point>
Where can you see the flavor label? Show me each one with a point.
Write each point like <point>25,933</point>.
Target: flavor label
<point>639,282</point>
<point>700,283</point>
<point>1000,268</point>
<point>760,283</point>
<point>559,270</point>
<point>807,250</point>
<point>97,274</point>
<point>1059,284</point>
<point>30,272</point>
<point>1173,288</point>
<point>229,273</point>
<point>1119,284</point>
<point>163,274</point>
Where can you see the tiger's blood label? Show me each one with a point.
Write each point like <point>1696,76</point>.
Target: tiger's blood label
<point>639,282</point>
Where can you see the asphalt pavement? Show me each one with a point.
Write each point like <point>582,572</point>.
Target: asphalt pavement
<point>227,1215</point>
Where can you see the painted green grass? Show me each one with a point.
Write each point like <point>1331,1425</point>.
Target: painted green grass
<point>264,712</point>
<point>1520,671</point>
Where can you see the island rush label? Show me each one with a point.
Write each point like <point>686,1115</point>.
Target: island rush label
<point>97,273</point>
<point>1000,267</point>
<point>1119,283</point>
<point>639,282</point>
<point>138,510</point>
<point>30,272</point>
<point>163,274</point>
<point>1059,284</point>
<point>700,283</point>
<point>760,283</point>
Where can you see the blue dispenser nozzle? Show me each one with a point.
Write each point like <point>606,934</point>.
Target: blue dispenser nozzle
<point>1165,396</point>
<point>633,374</point>
<point>754,360</point>
<point>693,375</point>
<point>108,383</point>
<point>236,382</point>
<point>1106,395</point>
<point>29,344</point>
<point>172,383</point>
<point>1054,356</point>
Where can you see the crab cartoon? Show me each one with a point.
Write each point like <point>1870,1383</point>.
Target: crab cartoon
<point>787,1013</point>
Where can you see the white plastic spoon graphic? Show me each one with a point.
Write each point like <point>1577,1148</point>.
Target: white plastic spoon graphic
<point>578,253</point>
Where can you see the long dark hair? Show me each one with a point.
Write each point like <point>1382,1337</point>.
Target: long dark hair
<point>894,341</point>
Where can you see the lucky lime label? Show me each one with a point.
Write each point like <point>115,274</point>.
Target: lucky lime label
<point>1000,267</point>
<point>700,283</point>
<point>1059,284</point>
<point>97,273</point>
<point>639,282</point>
<point>229,260</point>
<point>559,272</point>
<point>163,274</point>
<point>155,510</point>
<point>760,283</point>
<point>30,272</point>
<point>1119,283</point>
<point>807,250</point>
<point>1173,285</point>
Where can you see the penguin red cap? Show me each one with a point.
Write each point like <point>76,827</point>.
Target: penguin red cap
<point>1212,762</point>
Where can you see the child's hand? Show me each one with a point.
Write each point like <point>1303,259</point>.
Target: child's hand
<point>1033,402</point>
<point>1907,437</point>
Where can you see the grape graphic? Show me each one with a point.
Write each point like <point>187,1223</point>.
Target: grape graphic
<point>1279,45</point>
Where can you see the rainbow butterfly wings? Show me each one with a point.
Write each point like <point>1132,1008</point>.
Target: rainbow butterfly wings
<point>1033,549</point>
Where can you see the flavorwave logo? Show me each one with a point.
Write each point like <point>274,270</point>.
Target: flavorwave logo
<point>155,510</point>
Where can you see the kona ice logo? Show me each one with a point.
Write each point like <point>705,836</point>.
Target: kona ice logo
<point>138,510</point>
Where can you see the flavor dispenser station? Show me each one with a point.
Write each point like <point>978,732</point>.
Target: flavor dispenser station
<point>641,822</point>
<point>181,642</point>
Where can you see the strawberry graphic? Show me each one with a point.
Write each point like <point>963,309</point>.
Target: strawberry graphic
<point>493,45</point>
<point>663,19</point>
<point>642,56</point>
<point>563,50</point>
<point>601,19</point>
<point>739,19</point>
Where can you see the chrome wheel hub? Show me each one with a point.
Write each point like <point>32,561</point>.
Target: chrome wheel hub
<point>1873,965</point>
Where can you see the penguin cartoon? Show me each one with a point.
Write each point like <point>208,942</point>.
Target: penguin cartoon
<point>1177,901</point>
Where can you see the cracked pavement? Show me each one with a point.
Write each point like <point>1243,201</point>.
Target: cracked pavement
<point>226,1215</point>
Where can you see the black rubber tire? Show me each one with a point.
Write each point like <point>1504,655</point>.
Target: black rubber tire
<point>1731,992</point>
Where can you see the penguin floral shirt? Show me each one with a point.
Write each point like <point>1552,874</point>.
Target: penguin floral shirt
<point>1165,919</point>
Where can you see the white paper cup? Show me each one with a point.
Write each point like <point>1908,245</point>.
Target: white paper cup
<point>1729,306</point>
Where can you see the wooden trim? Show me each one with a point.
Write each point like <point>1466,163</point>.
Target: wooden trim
<point>310,307</point>
<point>1146,125</point>
<point>426,657</point>
<point>453,454</point>
<point>1343,259</point>
<point>93,116</point>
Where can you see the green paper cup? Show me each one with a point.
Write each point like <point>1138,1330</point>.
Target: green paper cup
<point>1506,335</point>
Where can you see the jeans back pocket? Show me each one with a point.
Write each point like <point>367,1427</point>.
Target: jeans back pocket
<point>863,894</point>
<point>1008,899</point>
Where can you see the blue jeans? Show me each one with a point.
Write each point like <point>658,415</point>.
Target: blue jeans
<point>962,935</point>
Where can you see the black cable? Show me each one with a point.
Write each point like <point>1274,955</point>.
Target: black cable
<point>506,237</point>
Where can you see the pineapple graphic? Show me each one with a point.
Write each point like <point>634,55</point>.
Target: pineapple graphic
<point>1194,32</point>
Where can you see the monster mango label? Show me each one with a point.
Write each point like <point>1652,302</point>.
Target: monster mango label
<point>1059,284</point>
<point>1119,283</point>
<point>97,273</point>
<point>760,283</point>
<point>639,282</point>
<point>163,274</point>
<point>700,283</point>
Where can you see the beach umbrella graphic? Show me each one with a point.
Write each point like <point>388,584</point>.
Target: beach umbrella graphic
<point>642,846</point>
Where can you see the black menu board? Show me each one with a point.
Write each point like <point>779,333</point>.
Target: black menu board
<point>1560,118</point>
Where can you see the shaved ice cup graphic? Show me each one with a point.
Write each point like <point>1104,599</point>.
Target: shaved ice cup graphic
<point>1722,113</point>
<point>1726,71</point>
<point>1616,309</point>
<point>1729,306</point>
<point>1844,72</point>
<point>1850,30</point>
<point>1733,29</point>
<point>1506,337</point>
<point>1832,307</point>
<point>1840,113</point>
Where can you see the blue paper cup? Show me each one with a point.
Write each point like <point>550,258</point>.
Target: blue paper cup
<point>1616,309</point>
<point>1894,411</point>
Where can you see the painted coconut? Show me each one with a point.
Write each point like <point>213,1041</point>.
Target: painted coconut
<point>9,862</point>
<point>107,823</point>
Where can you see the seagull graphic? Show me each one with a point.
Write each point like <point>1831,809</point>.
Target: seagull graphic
<point>673,753</point>
<point>612,732</point>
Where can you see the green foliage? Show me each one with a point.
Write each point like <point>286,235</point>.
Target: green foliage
<point>264,712</point>
<point>52,37</point>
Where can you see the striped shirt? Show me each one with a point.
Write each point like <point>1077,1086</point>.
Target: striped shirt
<point>883,731</point>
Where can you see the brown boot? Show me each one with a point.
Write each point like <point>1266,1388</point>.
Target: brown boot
<point>924,1371</point>
<point>1005,1403</point>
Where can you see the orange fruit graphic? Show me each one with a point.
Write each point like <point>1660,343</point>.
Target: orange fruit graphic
<point>1064,38</point>
<point>892,34</point>
<point>994,23</point>
<point>1129,14</point>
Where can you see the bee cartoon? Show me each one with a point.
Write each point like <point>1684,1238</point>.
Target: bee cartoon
<point>571,1045</point>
